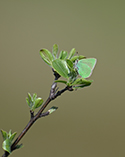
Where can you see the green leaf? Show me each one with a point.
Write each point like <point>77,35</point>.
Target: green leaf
<point>19,146</point>
<point>55,50</point>
<point>46,56</point>
<point>61,81</point>
<point>63,55</point>
<point>81,81</point>
<point>60,66</point>
<point>8,138</point>
<point>81,57</point>
<point>12,136</point>
<point>70,64</point>
<point>34,102</point>
<point>10,133</point>
<point>71,54</point>
<point>45,59</point>
<point>29,96</point>
<point>73,59</point>
<point>52,109</point>
<point>27,100</point>
<point>34,97</point>
<point>73,75</point>
<point>38,103</point>
<point>4,134</point>
<point>7,145</point>
<point>81,86</point>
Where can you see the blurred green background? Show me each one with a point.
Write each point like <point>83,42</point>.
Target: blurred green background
<point>89,122</point>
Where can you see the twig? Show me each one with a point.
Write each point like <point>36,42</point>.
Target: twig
<point>53,94</point>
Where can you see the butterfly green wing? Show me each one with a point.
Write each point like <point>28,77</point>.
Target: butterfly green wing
<point>86,66</point>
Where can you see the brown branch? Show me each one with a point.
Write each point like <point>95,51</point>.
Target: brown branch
<point>53,94</point>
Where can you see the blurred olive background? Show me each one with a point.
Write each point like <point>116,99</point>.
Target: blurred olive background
<point>89,122</point>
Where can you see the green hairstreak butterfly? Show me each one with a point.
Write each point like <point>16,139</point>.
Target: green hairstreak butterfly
<point>85,67</point>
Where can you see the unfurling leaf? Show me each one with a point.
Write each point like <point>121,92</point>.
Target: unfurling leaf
<point>55,50</point>
<point>52,109</point>
<point>63,55</point>
<point>7,145</point>
<point>38,103</point>
<point>19,146</point>
<point>71,54</point>
<point>12,136</point>
<point>4,134</point>
<point>8,139</point>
